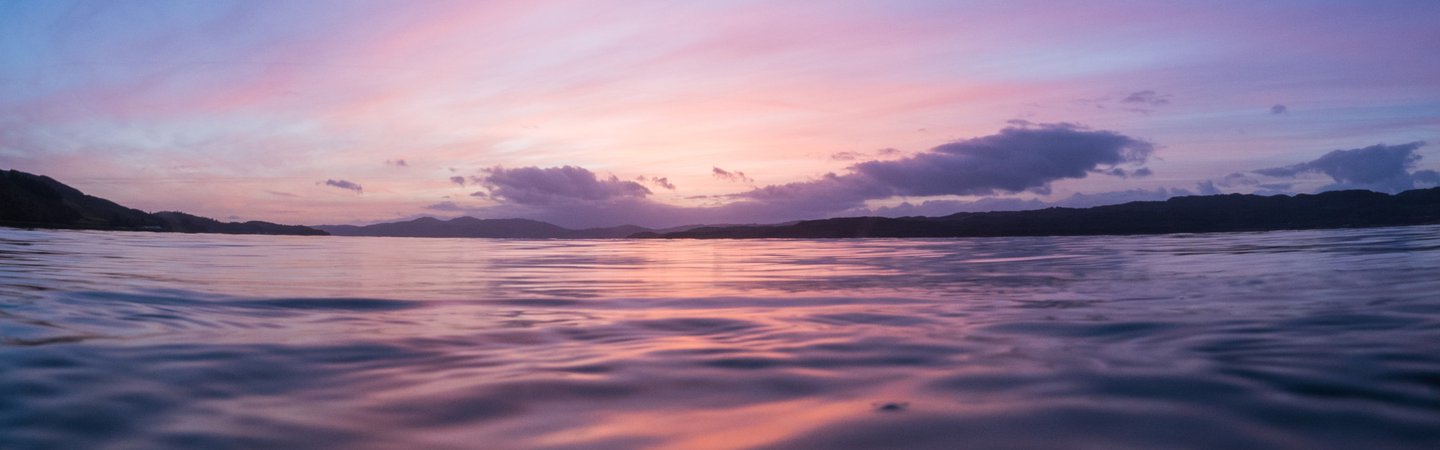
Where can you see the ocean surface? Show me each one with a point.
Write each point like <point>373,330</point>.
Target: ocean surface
<point>1296,339</point>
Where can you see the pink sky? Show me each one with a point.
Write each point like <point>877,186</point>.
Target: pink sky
<point>245,109</point>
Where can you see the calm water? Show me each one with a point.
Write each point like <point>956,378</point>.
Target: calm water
<point>1317,339</point>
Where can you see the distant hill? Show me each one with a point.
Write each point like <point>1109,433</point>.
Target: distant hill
<point>37,201</point>
<point>470,227</point>
<point>1194,214</point>
<point>188,223</point>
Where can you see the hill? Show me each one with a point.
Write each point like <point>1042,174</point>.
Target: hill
<point>36,201</point>
<point>1193,214</point>
<point>470,227</point>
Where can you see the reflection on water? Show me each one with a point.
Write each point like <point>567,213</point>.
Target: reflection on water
<point>1317,339</point>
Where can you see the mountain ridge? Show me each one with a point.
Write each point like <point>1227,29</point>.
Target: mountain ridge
<point>1188,214</point>
<point>470,227</point>
<point>36,201</point>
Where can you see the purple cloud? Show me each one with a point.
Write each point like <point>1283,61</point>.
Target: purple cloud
<point>736,176</point>
<point>459,180</point>
<point>1148,98</point>
<point>1238,179</point>
<point>556,186</point>
<point>830,192</point>
<point>1022,158</point>
<point>344,184</point>
<point>852,156</point>
<point>1279,109</point>
<point>661,182</point>
<point>397,163</point>
<point>445,206</point>
<point>1380,167</point>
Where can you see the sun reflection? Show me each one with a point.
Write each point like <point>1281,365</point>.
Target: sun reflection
<point>720,428</point>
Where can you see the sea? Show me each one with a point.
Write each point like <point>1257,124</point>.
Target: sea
<point>1323,339</point>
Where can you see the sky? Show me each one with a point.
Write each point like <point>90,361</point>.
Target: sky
<point>665,113</point>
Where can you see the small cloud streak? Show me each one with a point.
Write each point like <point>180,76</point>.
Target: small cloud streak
<point>735,176</point>
<point>445,206</point>
<point>660,182</point>
<point>1279,109</point>
<point>852,156</point>
<point>1147,97</point>
<point>1238,179</point>
<point>345,184</point>
<point>459,180</point>
<point>397,163</point>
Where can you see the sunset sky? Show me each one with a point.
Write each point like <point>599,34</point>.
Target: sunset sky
<point>672,112</point>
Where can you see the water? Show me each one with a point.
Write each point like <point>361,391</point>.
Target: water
<point>1315,339</point>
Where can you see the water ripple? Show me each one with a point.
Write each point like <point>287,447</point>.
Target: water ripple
<point>1312,339</point>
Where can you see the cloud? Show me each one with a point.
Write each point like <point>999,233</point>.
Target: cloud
<point>1207,187</point>
<point>1380,167</point>
<point>556,186</point>
<point>1238,179</point>
<point>458,180</point>
<point>1018,158</point>
<point>280,193</point>
<point>830,192</point>
<point>1021,158</point>
<point>445,206</point>
<point>1279,109</point>
<point>344,184</point>
<point>852,156</point>
<point>397,163</point>
<point>661,182</point>
<point>1426,176</point>
<point>1147,97</point>
<point>934,208</point>
<point>727,175</point>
